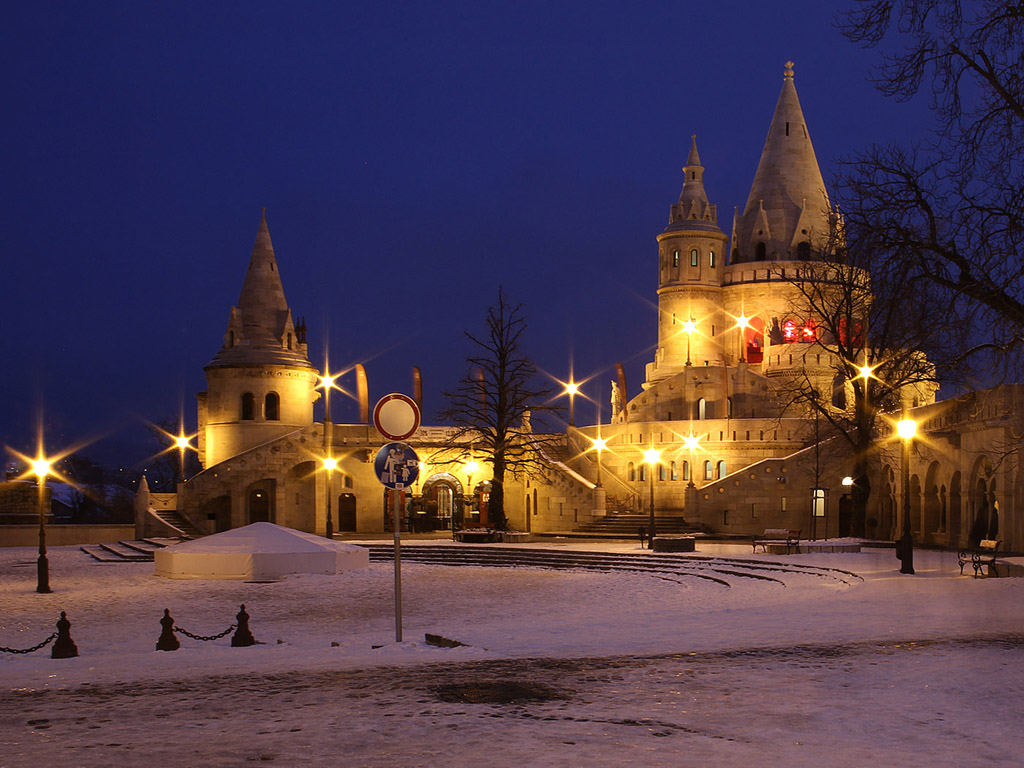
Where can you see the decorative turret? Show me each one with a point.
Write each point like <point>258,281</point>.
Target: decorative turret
<point>787,214</point>
<point>691,260</point>
<point>260,383</point>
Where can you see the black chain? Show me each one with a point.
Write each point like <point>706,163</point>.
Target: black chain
<point>45,642</point>
<point>201,637</point>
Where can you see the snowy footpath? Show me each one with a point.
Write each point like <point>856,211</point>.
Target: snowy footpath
<point>848,664</point>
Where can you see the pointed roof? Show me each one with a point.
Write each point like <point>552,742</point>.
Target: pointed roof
<point>788,188</point>
<point>693,211</point>
<point>260,329</point>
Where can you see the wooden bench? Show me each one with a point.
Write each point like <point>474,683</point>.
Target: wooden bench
<point>787,537</point>
<point>984,555</point>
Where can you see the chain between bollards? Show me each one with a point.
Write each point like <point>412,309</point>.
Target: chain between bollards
<point>168,642</point>
<point>63,646</point>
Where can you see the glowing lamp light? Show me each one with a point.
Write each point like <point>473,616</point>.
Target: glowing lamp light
<point>689,326</point>
<point>847,481</point>
<point>471,467</point>
<point>652,456</point>
<point>330,464</point>
<point>743,322</point>
<point>906,429</point>
<point>41,467</point>
<point>691,442</point>
<point>182,442</point>
<point>572,388</point>
<point>865,372</point>
<point>327,380</point>
<point>600,444</point>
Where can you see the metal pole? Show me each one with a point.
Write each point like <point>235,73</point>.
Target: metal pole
<point>650,468</point>
<point>42,564</point>
<point>330,492</point>
<point>395,504</point>
<point>907,541</point>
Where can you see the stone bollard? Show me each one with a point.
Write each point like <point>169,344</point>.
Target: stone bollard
<point>167,641</point>
<point>64,647</point>
<point>242,637</point>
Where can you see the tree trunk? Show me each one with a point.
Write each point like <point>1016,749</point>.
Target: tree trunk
<point>496,504</point>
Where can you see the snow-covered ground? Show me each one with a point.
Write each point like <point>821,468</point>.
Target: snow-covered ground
<point>851,666</point>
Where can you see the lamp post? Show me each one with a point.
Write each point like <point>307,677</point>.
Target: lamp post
<point>330,464</point>
<point>688,328</point>
<point>182,442</point>
<point>327,383</point>
<point>571,389</point>
<point>691,443</point>
<point>41,468</point>
<point>743,322</point>
<point>652,457</point>
<point>599,445</point>
<point>906,428</point>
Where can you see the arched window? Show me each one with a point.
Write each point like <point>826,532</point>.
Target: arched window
<point>675,258</point>
<point>709,472</point>
<point>272,407</point>
<point>231,338</point>
<point>643,473</point>
<point>702,409</point>
<point>661,472</point>
<point>694,258</point>
<point>760,252</point>
<point>728,407</point>
<point>632,472</point>
<point>721,470</point>
<point>289,341</point>
<point>686,470</point>
<point>248,406</point>
<point>803,250</point>
<point>675,472</point>
<point>711,258</point>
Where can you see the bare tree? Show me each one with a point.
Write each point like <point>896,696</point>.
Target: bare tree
<point>877,331</point>
<point>952,205</point>
<point>491,405</point>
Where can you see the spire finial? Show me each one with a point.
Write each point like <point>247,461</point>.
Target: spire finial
<point>789,70</point>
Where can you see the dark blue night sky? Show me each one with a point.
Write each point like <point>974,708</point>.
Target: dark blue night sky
<point>412,157</point>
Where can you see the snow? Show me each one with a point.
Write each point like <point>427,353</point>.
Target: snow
<point>849,665</point>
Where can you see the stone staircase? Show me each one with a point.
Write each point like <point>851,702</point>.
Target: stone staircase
<point>179,523</point>
<point>627,525</point>
<point>135,551</point>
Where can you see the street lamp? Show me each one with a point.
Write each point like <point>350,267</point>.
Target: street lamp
<point>330,464</point>
<point>906,428</point>
<point>743,322</point>
<point>691,443</point>
<point>41,467</point>
<point>599,445</point>
<point>182,443</point>
<point>689,326</point>
<point>571,389</point>
<point>652,457</point>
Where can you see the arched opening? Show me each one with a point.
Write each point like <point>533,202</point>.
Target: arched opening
<point>248,406</point>
<point>955,512</point>
<point>702,409</point>
<point>218,512</point>
<point>721,470</point>
<point>803,250</point>
<point>709,472</point>
<point>839,391</point>
<point>272,407</point>
<point>441,500</point>
<point>260,502</point>
<point>347,512</point>
<point>631,472</point>
<point>932,524</point>
<point>760,252</point>
<point>694,257</point>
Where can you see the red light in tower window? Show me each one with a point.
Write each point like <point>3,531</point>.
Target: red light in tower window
<point>789,331</point>
<point>808,331</point>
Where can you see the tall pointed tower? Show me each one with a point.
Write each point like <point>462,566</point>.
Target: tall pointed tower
<point>787,212</point>
<point>691,258</point>
<point>260,385</point>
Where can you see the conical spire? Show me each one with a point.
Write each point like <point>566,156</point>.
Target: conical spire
<point>260,330</point>
<point>693,211</point>
<point>788,204</point>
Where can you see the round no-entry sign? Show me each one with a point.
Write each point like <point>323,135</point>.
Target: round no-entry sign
<point>396,416</point>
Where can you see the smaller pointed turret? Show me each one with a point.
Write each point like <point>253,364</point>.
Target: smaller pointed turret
<point>693,211</point>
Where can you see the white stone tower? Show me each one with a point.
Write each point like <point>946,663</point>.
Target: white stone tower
<point>691,260</point>
<point>260,385</point>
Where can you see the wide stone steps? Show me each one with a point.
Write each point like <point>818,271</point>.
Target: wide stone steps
<point>176,521</point>
<point>628,525</point>
<point>133,551</point>
<point>717,569</point>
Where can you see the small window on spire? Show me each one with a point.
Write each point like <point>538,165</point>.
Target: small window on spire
<point>787,129</point>
<point>675,258</point>
<point>711,258</point>
<point>248,406</point>
<point>694,258</point>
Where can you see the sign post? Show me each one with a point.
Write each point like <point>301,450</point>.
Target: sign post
<point>397,417</point>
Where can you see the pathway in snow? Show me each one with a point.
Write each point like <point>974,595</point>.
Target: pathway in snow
<point>850,705</point>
